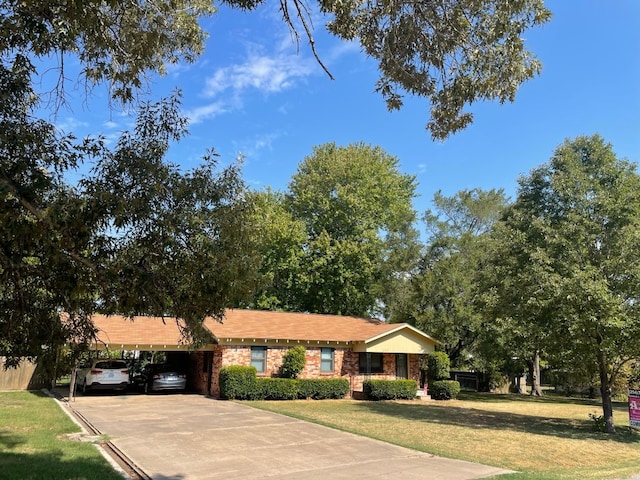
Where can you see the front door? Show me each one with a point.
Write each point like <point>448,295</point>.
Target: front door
<point>401,366</point>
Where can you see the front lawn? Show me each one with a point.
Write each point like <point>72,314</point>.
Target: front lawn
<point>34,446</point>
<point>548,438</point>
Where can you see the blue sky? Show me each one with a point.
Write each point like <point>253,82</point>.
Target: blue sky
<point>254,93</point>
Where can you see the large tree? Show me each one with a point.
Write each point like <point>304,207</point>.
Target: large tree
<point>570,259</point>
<point>350,210</point>
<point>134,236</point>
<point>451,52</point>
<point>447,281</point>
<point>280,242</point>
<point>512,298</point>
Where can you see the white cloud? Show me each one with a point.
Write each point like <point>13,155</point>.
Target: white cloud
<point>264,141</point>
<point>250,149</point>
<point>71,124</point>
<point>343,48</point>
<point>199,114</point>
<point>270,74</point>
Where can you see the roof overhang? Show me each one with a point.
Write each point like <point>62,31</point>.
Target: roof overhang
<point>148,347</point>
<point>282,342</point>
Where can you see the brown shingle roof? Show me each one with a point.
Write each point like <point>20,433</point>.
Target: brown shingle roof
<point>119,330</point>
<point>295,326</point>
<point>164,333</point>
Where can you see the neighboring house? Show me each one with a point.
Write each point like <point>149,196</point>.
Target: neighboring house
<point>336,346</point>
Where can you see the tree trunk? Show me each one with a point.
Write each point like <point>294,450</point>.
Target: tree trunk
<point>534,374</point>
<point>605,388</point>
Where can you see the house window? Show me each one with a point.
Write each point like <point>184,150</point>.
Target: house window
<point>370,363</point>
<point>259,358</point>
<point>326,360</point>
<point>402,368</point>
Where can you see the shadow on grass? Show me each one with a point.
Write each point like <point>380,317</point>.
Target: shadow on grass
<point>47,466</point>
<point>551,398</point>
<point>9,441</point>
<point>480,418</point>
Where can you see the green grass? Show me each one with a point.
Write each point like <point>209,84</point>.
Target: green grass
<point>34,446</point>
<point>550,438</point>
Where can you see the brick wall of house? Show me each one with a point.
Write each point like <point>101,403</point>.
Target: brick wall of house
<point>413,364</point>
<point>197,375</point>
<point>346,364</point>
<point>388,373</point>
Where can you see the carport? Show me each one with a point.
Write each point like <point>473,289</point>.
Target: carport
<point>144,334</point>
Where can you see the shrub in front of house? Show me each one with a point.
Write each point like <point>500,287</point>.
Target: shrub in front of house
<point>390,389</point>
<point>293,362</point>
<point>323,388</point>
<point>276,389</point>
<point>440,387</point>
<point>238,382</point>
<point>241,383</point>
<point>438,365</point>
<point>444,389</point>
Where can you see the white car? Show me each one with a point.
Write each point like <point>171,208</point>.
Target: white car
<point>105,374</point>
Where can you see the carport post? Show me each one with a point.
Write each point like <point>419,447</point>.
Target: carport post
<point>209,360</point>
<point>72,384</point>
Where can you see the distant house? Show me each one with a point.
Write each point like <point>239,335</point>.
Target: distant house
<point>336,346</point>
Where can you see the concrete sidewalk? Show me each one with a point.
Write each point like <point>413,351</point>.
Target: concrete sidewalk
<point>191,437</point>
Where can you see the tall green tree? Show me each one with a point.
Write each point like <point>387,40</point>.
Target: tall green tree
<point>134,236</point>
<point>513,298</point>
<point>354,211</point>
<point>447,282</point>
<point>280,241</point>
<point>572,273</point>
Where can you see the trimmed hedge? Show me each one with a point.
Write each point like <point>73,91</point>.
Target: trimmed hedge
<point>390,389</point>
<point>238,382</point>
<point>276,389</point>
<point>323,388</point>
<point>444,389</point>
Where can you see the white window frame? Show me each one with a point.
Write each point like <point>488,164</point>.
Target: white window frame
<point>259,358</point>
<point>327,360</point>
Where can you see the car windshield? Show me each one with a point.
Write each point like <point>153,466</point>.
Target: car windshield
<point>117,365</point>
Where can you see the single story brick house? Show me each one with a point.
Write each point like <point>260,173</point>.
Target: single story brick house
<point>336,346</point>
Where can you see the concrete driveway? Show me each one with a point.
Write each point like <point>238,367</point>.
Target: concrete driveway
<point>191,437</point>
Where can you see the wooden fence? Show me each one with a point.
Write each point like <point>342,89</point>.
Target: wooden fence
<point>25,377</point>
